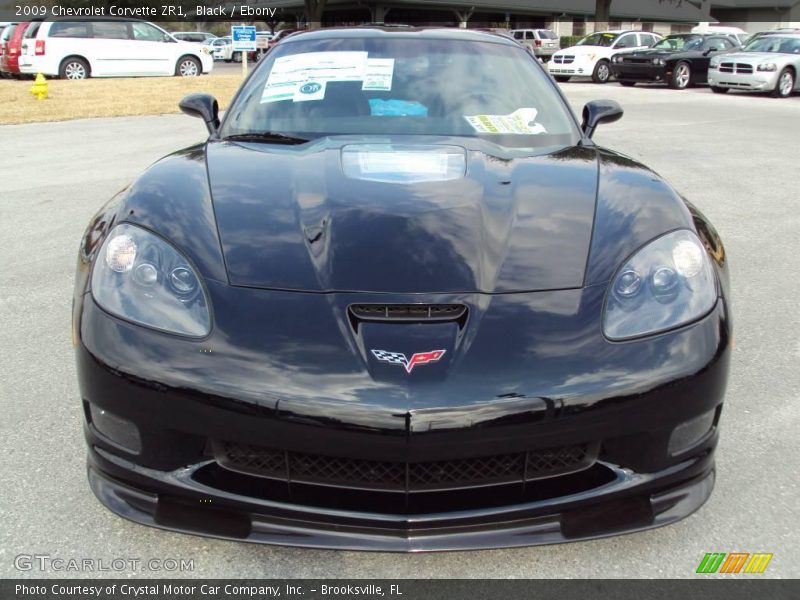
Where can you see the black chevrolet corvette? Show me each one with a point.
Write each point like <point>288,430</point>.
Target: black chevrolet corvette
<point>399,300</point>
<point>680,60</point>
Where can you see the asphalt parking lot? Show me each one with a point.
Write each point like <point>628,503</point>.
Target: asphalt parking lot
<point>734,156</point>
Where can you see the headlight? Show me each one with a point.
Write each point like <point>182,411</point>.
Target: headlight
<point>767,67</point>
<point>616,59</point>
<point>141,278</point>
<point>659,62</point>
<point>714,63</point>
<point>666,284</point>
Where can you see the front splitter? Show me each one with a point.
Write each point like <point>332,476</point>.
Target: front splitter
<point>525,525</point>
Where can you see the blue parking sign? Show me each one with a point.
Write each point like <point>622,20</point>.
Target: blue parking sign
<point>244,38</point>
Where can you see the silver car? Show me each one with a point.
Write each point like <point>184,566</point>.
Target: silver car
<point>543,43</point>
<point>770,63</point>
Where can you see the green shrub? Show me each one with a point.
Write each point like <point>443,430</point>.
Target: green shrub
<point>570,40</point>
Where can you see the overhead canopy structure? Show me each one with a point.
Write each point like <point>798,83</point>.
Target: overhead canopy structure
<point>644,10</point>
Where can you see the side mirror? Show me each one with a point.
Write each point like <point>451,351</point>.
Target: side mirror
<point>204,106</point>
<point>599,111</point>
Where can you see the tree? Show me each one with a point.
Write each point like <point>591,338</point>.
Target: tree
<point>313,12</point>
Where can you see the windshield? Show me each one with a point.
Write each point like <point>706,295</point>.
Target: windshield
<point>599,39</point>
<point>680,42</point>
<point>546,34</point>
<point>396,86</point>
<point>775,43</point>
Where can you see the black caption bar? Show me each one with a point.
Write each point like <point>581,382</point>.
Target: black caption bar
<point>333,11</point>
<point>399,589</point>
<point>150,10</point>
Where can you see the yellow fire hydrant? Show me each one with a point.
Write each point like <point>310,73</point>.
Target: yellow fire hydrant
<point>39,87</point>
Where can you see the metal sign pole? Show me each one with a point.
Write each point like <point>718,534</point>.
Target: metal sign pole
<point>244,41</point>
<point>244,62</point>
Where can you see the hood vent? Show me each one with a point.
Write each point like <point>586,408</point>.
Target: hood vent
<point>408,312</point>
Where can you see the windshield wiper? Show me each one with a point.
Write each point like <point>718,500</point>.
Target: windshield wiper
<point>266,136</point>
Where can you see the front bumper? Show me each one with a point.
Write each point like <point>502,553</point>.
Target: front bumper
<point>560,384</point>
<point>756,81</point>
<point>575,69</point>
<point>175,501</point>
<point>639,72</point>
<point>207,61</point>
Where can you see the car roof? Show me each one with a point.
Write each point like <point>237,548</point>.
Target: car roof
<point>789,34</point>
<point>448,33</point>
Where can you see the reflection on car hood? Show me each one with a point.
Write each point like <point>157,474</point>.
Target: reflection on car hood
<point>650,52</point>
<point>584,50</point>
<point>289,218</point>
<point>755,57</point>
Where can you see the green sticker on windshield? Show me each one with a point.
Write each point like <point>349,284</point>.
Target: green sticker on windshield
<point>520,122</point>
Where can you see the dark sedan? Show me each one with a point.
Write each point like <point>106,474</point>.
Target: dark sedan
<point>400,300</point>
<point>680,61</point>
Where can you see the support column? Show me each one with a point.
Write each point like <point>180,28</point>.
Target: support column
<point>378,13</point>
<point>463,17</point>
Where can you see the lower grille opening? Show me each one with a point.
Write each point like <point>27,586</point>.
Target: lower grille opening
<point>297,467</point>
<point>474,498</point>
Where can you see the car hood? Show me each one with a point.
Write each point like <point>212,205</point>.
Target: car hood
<point>290,218</point>
<point>753,57</point>
<point>651,52</point>
<point>581,50</point>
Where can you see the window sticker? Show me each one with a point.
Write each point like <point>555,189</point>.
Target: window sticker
<point>520,122</point>
<point>310,90</point>
<point>396,108</point>
<point>378,75</point>
<point>301,77</point>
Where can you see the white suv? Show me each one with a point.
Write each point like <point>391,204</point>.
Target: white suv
<point>108,48</point>
<point>591,57</point>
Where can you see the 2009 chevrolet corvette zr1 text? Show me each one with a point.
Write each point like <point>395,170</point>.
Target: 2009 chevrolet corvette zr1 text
<point>399,300</point>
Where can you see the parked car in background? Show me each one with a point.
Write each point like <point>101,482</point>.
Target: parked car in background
<point>780,30</point>
<point>110,48</point>
<point>740,34</point>
<point>195,37</point>
<point>221,48</point>
<point>5,35</point>
<point>770,63</point>
<point>679,60</point>
<point>279,35</point>
<point>591,57</point>
<point>542,42</point>
<point>3,27</point>
<point>262,43</point>
<point>9,61</point>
